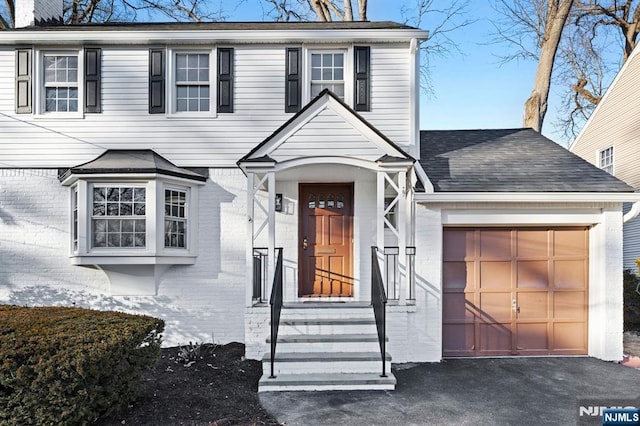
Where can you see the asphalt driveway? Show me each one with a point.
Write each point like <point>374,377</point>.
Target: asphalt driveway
<point>510,391</point>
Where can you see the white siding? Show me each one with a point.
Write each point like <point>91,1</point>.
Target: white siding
<point>29,140</point>
<point>615,123</point>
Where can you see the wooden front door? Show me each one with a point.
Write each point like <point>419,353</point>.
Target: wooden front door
<point>326,240</point>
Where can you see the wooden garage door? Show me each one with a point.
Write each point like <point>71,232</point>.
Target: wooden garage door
<point>515,291</point>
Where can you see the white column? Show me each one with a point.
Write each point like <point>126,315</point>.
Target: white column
<point>271,226</point>
<point>249,241</point>
<point>401,222</point>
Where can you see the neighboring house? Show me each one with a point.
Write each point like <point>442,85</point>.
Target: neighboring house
<point>186,170</point>
<point>611,141</point>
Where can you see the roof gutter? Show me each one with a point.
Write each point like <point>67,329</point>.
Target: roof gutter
<point>531,197</point>
<point>633,213</point>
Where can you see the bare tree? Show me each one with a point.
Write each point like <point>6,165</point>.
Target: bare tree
<point>85,11</point>
<point>319,10</point>
<point>535,28</point>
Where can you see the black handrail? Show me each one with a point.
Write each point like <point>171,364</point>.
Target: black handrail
<point>260,274</point>
<point>379,303</point>
<point>276,307</point>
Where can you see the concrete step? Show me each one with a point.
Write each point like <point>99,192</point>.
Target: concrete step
<point>365,342</point>
<point>324,382</point>
<point>326,362</point>
<point>358,325</point>
<point>317,310</point>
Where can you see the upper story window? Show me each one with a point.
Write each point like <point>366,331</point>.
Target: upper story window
<point>192,82</point>
<point>327,72</point>
<point>606,160</point>
<point>60,82</point>
<point>345,72</point>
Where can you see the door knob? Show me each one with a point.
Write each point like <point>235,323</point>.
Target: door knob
<point>304,243</point>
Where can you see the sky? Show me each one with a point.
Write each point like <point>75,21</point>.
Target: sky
<point>473,88</point>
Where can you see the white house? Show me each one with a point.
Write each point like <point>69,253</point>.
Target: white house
<point>229,176</point>
<point>609,140</point>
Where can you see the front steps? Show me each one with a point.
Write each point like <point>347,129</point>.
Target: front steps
<point>327,346</point>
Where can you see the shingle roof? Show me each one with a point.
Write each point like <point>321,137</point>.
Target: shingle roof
<point>507,160</point>
<point>223,26</point>
<point>132,161</point>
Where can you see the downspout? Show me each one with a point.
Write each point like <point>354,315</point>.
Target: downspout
<point>633,213</point>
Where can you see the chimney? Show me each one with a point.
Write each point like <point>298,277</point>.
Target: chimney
<point>31,13</point>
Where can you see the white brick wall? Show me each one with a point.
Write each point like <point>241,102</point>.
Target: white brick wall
<point>201,302</point>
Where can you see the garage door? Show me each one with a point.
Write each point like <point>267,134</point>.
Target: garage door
<point>515,291</point>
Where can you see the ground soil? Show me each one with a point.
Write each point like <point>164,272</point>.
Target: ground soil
<point>215,386</point>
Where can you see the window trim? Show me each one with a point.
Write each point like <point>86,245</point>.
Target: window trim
<point>154,252</point>
<point>172,84</point>
<point>348,73</point>
<point>610,164</point>
<point>40,88</point>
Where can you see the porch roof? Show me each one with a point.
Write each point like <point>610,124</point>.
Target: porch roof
<point>507,160</point>
<point>296,138</point>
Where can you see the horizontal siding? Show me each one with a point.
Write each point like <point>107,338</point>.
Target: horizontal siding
<point>616,124</point>
<point>631,245</point>
<point>36,141</point>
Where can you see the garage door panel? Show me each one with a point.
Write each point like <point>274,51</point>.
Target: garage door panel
<point>532,274</point>
<point>569,242</point>
<point>495,275</point>
<point>495,306</point>
<point>495,244</point>
<point>532,243</point>
<point>569,305</point>
<point>544,270</point>
<point>569,337</point>
<point>459,339</point>
<point>458,275</point>
<point>495,338</point>
<point>459,244</point>
<point>533,305</point>
<point>532,337</point>
<point>457,307</point>
<point>569,273</point>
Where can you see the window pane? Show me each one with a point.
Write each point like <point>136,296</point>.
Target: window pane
<point>113,240</point>
<point>327,74</point>
<point>181,61</point>
<point>338,60</point>
<point>338,74</point>
<point>181,105</point>
<point>126,209</point>
<point>113,194</point>
<point>327,60</point>
<point>139,194</point>
<point>127,226</point>
<point>126,194</point>
<point>316,60</point>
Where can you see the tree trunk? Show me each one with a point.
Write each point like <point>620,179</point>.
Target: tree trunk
<point>362,10</point>
<point>535,107</point>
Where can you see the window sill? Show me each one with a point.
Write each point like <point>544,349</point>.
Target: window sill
<point>132,260</point>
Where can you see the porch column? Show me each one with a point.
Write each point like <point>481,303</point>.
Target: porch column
<point>257,220</point>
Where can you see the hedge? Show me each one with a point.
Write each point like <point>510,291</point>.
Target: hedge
<point>71,365</point>
<point>631,301</point>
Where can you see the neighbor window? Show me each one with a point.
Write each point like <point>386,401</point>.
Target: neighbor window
<point>606,160</point>
<point>118,216</point>
<point>192,75</point>
<point>60,82</point>
<point>175,218</point>
<point>327,72</point>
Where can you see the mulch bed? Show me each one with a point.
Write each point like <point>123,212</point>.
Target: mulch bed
<point>198,385</point>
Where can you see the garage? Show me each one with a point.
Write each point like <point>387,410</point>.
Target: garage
<point>515,291</point>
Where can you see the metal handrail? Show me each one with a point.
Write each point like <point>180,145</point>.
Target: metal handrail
<point>260,280</point>
<point>276,307</point>
<point>379,303</point>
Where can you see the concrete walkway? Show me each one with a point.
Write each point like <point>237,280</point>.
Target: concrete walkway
<point>511,391</point>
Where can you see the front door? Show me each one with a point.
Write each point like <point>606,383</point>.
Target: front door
<point>326,240</point>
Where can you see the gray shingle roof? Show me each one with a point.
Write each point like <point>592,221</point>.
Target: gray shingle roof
<point>223,26</point>
<point>507,160</point>
<point>132,161</point>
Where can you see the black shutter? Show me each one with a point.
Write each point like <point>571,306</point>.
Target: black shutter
<point>92,73</point>
<point>225,80</point>
<point>23,81</point>
<point>156,81</point>
<point>293,83</point>
<point>362,68</point>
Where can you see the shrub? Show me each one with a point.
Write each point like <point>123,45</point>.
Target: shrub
<point>71,365</point>
<point>631,301</point>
